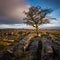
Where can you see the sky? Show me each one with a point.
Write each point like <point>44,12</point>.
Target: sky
<point>11,12</point>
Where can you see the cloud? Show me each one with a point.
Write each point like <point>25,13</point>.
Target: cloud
<point>12,10</point>
<point>16,26</point>
<point>50,26</point>
<point>11,14</point>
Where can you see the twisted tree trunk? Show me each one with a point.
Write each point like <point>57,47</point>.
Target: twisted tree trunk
<point>37,32</point>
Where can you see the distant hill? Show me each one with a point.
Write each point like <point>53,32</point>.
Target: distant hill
<point>51,28</point>
<point>44,28</point>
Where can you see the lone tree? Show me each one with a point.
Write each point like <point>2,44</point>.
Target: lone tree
<point>36,16</point>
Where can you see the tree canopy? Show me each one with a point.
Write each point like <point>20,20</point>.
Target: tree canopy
<point>37,16</point>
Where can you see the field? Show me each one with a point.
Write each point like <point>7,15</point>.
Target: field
<point>24,44</point>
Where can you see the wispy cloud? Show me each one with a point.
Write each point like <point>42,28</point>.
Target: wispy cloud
<point>16,26</point>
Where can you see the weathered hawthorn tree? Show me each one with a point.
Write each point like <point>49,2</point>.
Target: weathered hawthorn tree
<point>37,16</point>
